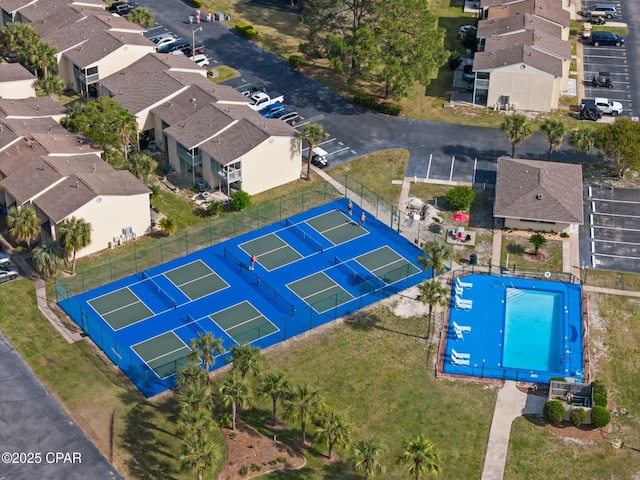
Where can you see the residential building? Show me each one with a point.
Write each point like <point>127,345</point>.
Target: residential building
<point>538,195</point>
<point>16,81</point>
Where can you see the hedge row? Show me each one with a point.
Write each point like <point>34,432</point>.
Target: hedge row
<point>246,30</point>
<point>195,3</point>
<point>370,102</point>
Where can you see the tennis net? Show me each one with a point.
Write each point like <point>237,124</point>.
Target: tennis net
<point>365,284</point>
<point>149,282</point>
<point>296,230</point>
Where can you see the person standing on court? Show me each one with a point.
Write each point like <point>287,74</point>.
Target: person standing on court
<point>362,219</point>
<point>350,208</point>
<point>253,262</point>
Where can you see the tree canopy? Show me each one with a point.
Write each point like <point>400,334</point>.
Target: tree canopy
<point>618,143</point>
<point>397,43</point>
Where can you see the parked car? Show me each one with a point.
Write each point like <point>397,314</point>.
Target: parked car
<point>605,37</point>
<point>122,8</point>
<point>288,115</point>
<point>4,258</point>
<point>602,79</point>
<point>8,272</point>
<point>164,39</point>
<point>603,104</point>
<point>271,110</point>
<point>464,29</point>
<point>174,46</point>
<point>601,9</point>
<point>201,59</point>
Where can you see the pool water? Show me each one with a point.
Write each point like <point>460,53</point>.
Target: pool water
<point>533,330</point>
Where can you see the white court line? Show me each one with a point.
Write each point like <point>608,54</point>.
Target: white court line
<point>388,264</point>
<point>246,321</point>
<point>169,353</point>
<point>204,277</point>
<point>323,290</point>
<point>124,306</point>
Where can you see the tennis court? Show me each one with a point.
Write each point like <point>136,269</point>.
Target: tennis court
<point>311,268</point>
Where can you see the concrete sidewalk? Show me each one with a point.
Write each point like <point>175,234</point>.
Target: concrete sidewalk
<point>511,403</point>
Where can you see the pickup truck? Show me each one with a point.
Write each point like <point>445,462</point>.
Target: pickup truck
<point>259,99</point>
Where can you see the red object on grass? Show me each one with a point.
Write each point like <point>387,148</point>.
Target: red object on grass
<point>461,217</point>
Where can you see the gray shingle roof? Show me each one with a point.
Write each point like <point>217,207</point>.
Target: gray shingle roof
<point>516,23</point>
<point>548,9</point>
<point>102,43</point>
<point>21,153</point>
<point>65,198</point>
<point>538,190</point>
<point>33,178</point>
<point>31,107</point>
<point>230,145</point>
<point>12,72</point>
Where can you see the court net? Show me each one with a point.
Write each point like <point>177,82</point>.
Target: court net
<point>297,231</point>
<point>166,298</point>
<point>359,278</point>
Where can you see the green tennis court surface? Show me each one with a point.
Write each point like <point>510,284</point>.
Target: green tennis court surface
<point>271,250</point>
<point>165,354</point>
<point>337,227</point>
<point>244,323</point>
<point>120,308</point>
<point>321,292</point>
<point>386,264</point>
<point>196,280</point>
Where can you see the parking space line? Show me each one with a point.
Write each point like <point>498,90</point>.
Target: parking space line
<point>475,169</point>
<point>453,161</point>
<point>616,201</point>
<point>617,241</point>
<point>614,256</point>
<point>617,228</point>
<point>429,166</point>
<point>616,215</point>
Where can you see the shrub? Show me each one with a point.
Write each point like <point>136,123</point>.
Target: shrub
<point>578,416</point>
<point>600,417</point>
<point>295,61</point>
<point>365,100</point>
<point>240,200</point>
<point>558,379</point>
<point>599,387</point>
<point>195,3</point>
<point>461,197</point>
<point>255,467</point>
<point>250,33</point>
<point>454,59</point>
<point>242,26</point>
<point>390,108</point>
<point>370,102</point>
<point>554,411</point>
<point>155,189</point>
<point>226,421</point>
<point>600,399</point>
<point>564,235</point>
<point>243,470</point>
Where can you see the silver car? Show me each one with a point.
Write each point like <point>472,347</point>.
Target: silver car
<point>8,272</point>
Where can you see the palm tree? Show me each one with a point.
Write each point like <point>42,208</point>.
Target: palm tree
<point>141,16</point>
<point>246,360</point>
<point>191,373</point>
<point>313,134</point>
<point>127,124</point>
<point>422,456</point>
<point>276,387</point>
<point>334,430</point>
<point>235,391</point>
<point>538,241</point>
<point>40,56</point>
<point>554,131</point>
<point>193,396</point>
<point>16,34</point>
<point>24,224</point>
<point>303,404</point>
<point>583,140</point>
<point>434,254</point>
<point>49,258</point>
<point>365,455</point>
<point>140,165</point>
<point>204,349</point>
<point>517,129</point>
<point>74,234</point>
<point>214,208</point>
<point>168,225</point>
<point>200,454</point>
<point>433,293</point>
<point>51,84</point>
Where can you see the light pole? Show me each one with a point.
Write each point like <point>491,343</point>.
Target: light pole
<point>193,40</point>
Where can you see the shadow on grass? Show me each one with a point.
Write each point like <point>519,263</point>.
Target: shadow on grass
<point>150,456</point>
<point>367,322</point>
<point>515,249</point>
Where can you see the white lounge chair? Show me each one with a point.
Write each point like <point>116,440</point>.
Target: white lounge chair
<point>462,301</point>
<point>460,356</point>
<point>458,333</point>
<point>458,290</point>
<point>463,329</point>
<point>460,361</point>
<point>462,284</point>
<point>462,306</point>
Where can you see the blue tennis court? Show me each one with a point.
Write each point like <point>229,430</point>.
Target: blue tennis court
<point>515,328</point>
<point>309,269</point>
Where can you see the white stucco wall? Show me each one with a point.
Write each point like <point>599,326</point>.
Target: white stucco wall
<point>110,215</point>
<point>17,89</point>
<point>528,87</point>
<point>517,224</point>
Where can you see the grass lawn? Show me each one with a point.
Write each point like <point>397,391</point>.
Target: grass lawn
<point>607,279</point>
<point>615,341</point>
<point>376,171</point>
<point>374,371</point>
<point>95,392</point>
<point>519,251</point>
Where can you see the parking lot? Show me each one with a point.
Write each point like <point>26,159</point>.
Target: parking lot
<point>610,59</point>
<point>610,236</point>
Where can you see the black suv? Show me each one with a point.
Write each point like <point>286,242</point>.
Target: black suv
<point>605,38</point>
<point>122,8</point>
<point>602,79</point>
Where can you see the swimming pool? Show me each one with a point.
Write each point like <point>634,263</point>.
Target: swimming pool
<point>515,328</point>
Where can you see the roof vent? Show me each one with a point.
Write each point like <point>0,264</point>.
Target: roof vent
<point>539,196</point>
